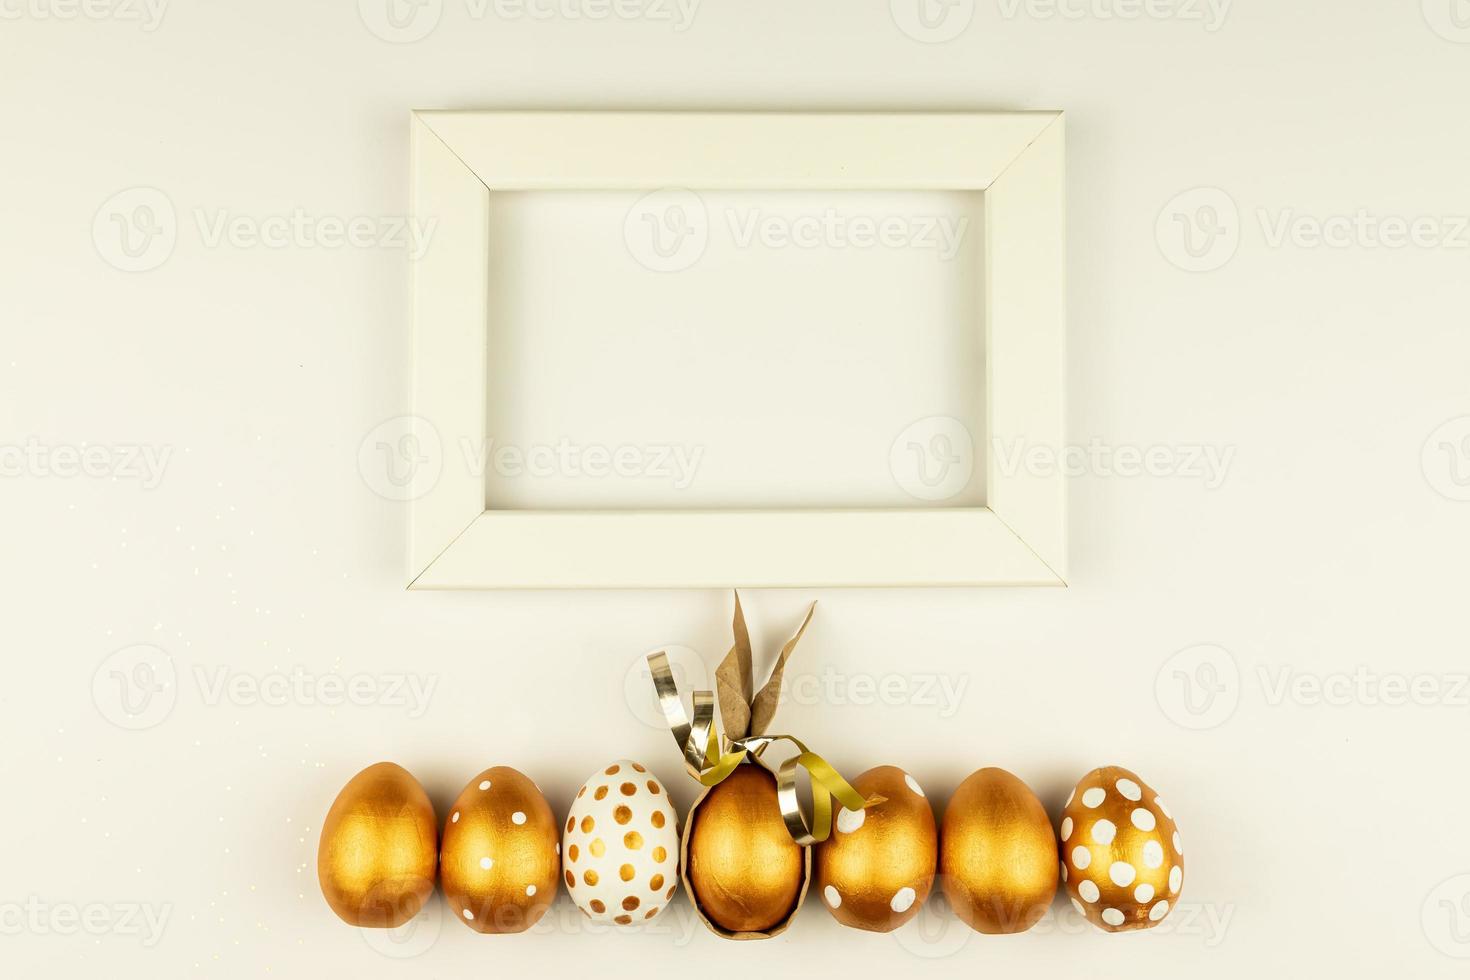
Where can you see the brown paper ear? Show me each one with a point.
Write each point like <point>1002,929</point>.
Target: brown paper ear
<point>733,681</point>
<point>763,708</point>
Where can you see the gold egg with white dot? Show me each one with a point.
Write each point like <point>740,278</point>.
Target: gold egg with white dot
<point>876,869</point>
<point>1122,857</point>
<point>499,861</point>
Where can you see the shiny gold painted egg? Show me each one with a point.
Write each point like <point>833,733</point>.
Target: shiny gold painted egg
<point>876,869</point>
<point>1122,860</point>
<point>744,873</point>
<point>997,854</point>
<point>379,844</point>
<point>499,862</point>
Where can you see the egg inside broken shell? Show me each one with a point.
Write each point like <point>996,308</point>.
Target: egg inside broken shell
<point>744,873</point>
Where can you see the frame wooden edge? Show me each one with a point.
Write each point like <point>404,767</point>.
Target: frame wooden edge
<point>457,544</point>
<point>643,150</point>
<point>450,309</point>
<point>1026,322</point>
<point>720,549</point>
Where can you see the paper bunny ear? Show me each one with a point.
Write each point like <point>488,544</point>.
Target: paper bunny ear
<point>763,708</point>
<point>743,712</point>
<point>733,680</point>
<point>710,755</point>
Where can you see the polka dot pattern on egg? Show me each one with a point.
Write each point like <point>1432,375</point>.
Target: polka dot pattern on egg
<point>877,867</point>
<point>1123,867</point>
<point>621,844</point>
<point>849,821</point>
<point>497,853</point>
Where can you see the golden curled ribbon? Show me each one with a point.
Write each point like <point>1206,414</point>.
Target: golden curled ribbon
<point>710,757</point>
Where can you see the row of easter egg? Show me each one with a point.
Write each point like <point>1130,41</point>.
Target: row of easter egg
<point>503,855</point>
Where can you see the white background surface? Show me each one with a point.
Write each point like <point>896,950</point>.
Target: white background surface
<point>1322,831</point>
<point>773,366</point>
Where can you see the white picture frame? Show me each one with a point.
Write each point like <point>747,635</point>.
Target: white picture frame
<point>1017,159</point>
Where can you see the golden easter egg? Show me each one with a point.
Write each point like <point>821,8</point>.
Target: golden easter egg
<point>499,860</point>
<point>744,873</point>
<point>997,854</point>
<point>376,857</point>
<point>620,845</point>
<point>1122,860</point>
<point>876,869</point>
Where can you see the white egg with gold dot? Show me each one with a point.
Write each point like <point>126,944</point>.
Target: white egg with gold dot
<point>620,845</point>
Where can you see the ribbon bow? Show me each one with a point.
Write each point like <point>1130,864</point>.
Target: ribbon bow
<point>711,756</point>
